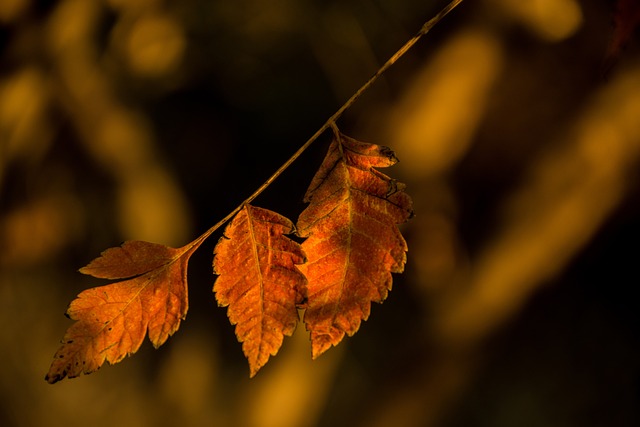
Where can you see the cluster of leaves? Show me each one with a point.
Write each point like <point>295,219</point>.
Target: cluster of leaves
<point>351,246</point>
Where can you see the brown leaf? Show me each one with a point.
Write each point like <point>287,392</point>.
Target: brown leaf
<point>112,320</point>
<point>353,242</point>
<point>259,281</point>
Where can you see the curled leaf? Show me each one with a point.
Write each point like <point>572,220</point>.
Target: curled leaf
<point>353,243</point>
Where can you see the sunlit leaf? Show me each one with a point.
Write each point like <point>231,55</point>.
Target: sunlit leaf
<point>353,243</point>
<point>112,320</point>
<point>258,281</point>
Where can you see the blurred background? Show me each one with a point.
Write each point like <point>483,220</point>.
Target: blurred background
<point>517,126</point>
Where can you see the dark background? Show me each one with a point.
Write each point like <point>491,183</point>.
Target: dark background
<point>518,138</point>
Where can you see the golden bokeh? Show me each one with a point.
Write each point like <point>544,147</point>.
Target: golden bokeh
<point>155,45</point>
<point>458,79</point>
<point>552,20</point>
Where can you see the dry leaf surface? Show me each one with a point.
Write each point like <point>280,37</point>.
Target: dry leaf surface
<point>352,246</point>
<point>258,281</point>
<point>112,320</point>
<point>353,243</point>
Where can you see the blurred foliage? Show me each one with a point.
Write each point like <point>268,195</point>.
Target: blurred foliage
<point>150,120</point>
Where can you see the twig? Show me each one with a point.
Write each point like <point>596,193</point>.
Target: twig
<point>426,27</point>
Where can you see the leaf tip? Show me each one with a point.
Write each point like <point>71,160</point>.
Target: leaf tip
<point>52,379</point>
<point>319,349</point>
<point>389,154</point>
<point>321,342</point>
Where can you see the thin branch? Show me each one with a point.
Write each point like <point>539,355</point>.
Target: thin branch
<point>426,27</point>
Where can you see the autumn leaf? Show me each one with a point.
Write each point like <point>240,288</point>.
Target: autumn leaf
<point>258,281</point>
<point>353,243</point>
<point>112,320</point>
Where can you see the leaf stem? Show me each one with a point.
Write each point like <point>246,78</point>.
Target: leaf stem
<point>426,27</point>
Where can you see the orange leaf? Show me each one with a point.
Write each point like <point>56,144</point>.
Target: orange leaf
<point>259,281</point>
<point>112,320</point>
<point>353,242</point>
<point>133,258</point>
